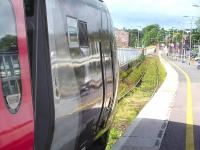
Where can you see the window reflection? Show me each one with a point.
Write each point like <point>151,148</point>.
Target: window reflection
<point>9,59</point>
<point>72,32</point>
<point>6,88</point>
<point>10,76</point>
<point>83,35</point>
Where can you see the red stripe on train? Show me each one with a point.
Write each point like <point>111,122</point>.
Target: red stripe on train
<point>17,130</point>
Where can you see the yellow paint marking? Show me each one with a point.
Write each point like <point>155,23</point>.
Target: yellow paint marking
<point>189,115</point>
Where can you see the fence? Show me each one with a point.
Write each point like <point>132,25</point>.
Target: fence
<point>127,55</point>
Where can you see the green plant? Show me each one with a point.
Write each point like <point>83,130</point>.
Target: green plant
<point>130,106</point>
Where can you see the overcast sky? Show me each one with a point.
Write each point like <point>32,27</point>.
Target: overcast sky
<point>6,19</point>
<point>166,13</point>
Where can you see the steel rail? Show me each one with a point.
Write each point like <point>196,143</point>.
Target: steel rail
<point>130,90</point>
<point>155,89</point>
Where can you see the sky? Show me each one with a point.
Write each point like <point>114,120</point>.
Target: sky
<point>167,13</point>
<point>6,19</point>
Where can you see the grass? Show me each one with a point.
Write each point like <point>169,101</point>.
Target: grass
<point>129,77</point>
<point>154,71</point>
<point>130,106</point>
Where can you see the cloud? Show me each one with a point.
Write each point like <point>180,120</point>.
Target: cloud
<point>167,13</point>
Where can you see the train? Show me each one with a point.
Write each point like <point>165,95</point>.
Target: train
<point>59,74</point>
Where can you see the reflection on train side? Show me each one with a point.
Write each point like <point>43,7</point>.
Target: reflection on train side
<point>87,70</point>
<point>10,75</point>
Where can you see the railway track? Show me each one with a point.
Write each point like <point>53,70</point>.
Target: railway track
<point>139,81</point>
<point>130,90</point>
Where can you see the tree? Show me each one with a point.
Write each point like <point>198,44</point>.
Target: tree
<point>161,36</point>
<point>198,25</point>
<point>134,37</point>
<point>8,42</point>
<point>177,37</point>
<point>151,35</point>
<point>196,38</point>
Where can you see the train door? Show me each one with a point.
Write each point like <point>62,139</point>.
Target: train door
<point>106,48</point>
<point>16,108</point>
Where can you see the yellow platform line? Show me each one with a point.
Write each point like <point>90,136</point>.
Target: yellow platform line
<point>189,116</point>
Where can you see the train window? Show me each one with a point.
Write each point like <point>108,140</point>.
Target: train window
<point>29,7</point>
<point>72,26</point>
<point>9,61</point>
<point>83,34</point>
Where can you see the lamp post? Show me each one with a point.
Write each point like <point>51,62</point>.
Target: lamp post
<point>138,42</point>
<point>197,6</point>
<point>173,48</point>
<point>183,52</point>
<point>181,31</point>
<point>192,17</point>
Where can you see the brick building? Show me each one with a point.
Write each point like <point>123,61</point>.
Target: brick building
<point>122,38</point>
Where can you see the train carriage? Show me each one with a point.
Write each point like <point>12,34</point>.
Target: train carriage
<point>59,74</point>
